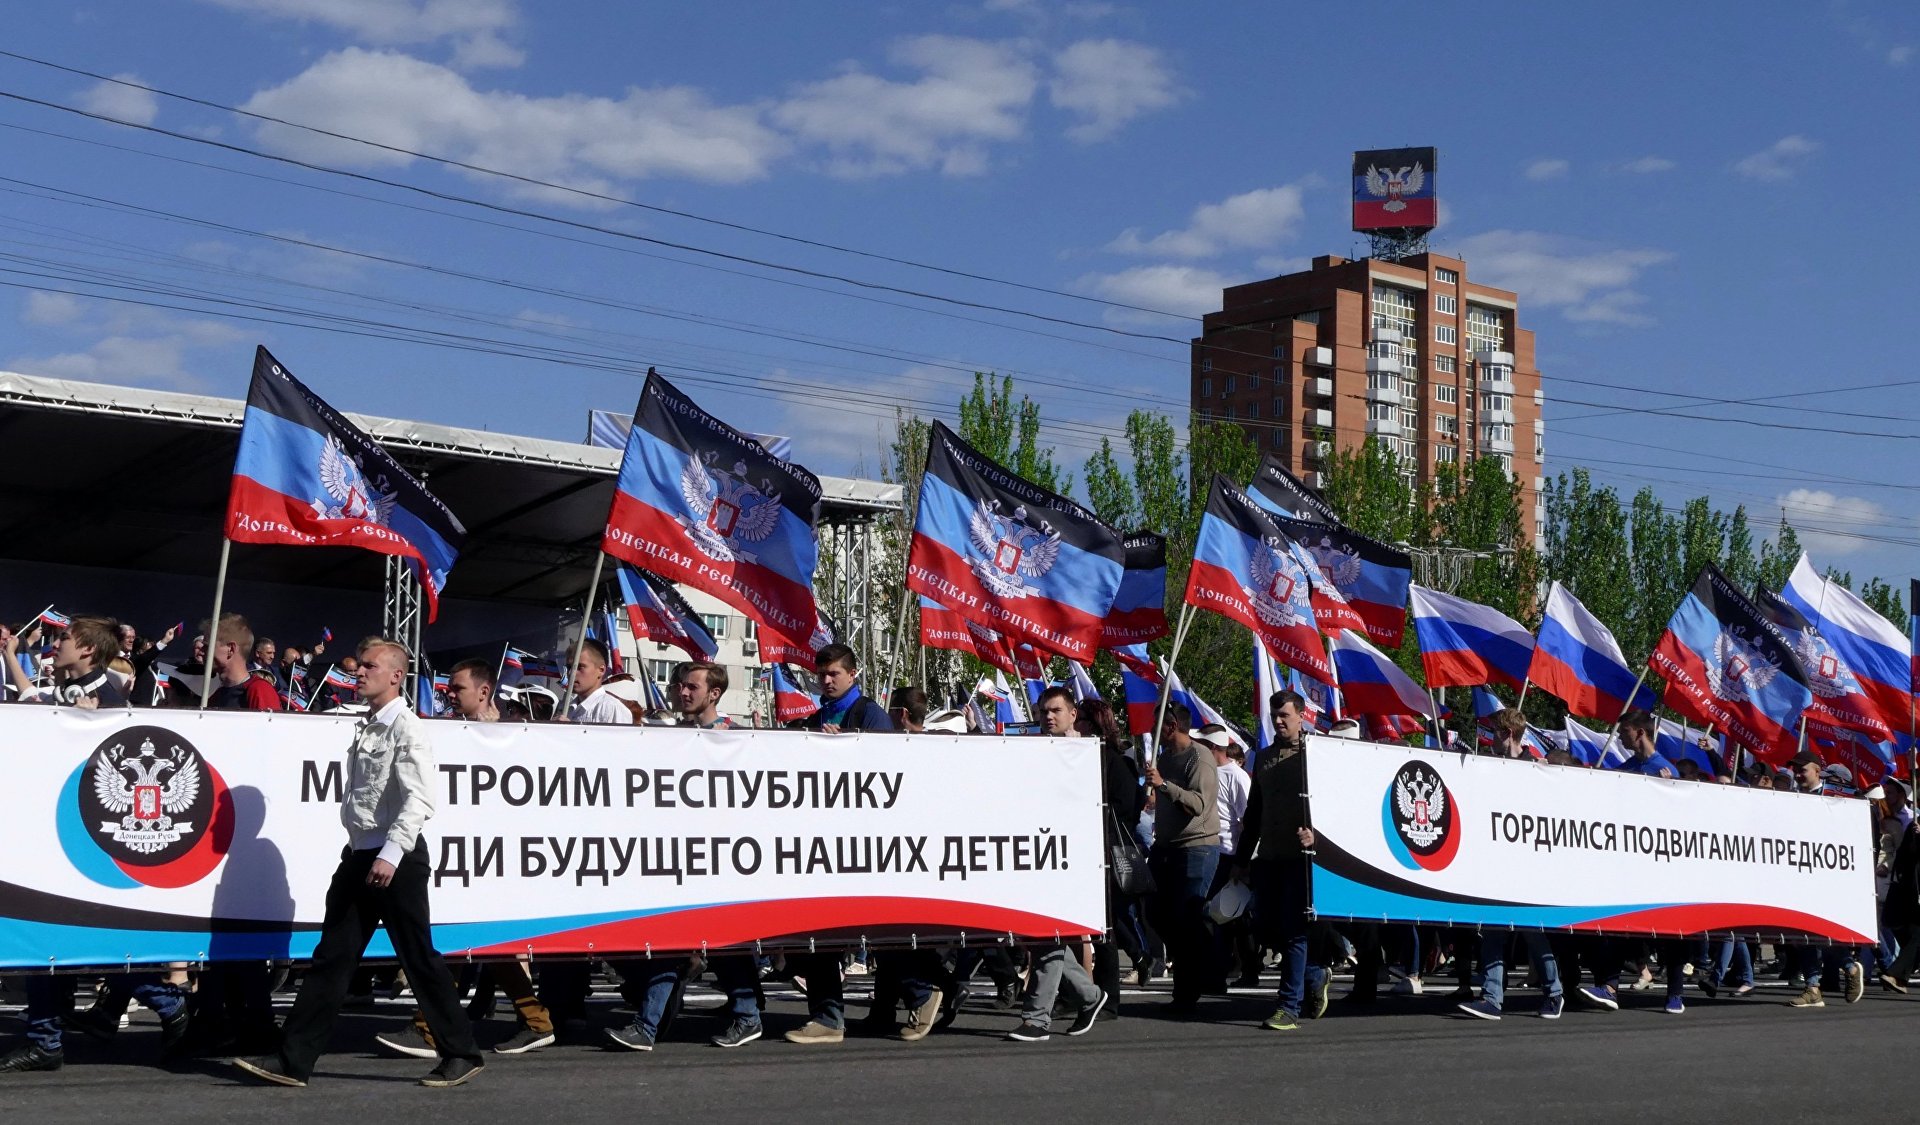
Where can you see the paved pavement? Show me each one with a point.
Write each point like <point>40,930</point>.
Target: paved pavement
<point>1402,1059</point>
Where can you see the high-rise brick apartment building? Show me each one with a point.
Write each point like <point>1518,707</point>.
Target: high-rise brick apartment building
<point>1411,351</point>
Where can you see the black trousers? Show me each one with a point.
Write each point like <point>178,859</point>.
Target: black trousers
<point>354,911</point>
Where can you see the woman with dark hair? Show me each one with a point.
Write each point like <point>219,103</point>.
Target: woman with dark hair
<point>1125,800</point>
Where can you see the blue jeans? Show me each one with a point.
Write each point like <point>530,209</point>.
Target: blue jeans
<point>826,1003</point>
<point>1280,904</point>
<point>738,975</point>
<point>657,976</point>
<point>47,995</point>
<point>1493,964</point>
<point>1731,955</point>
<point>1181,879</point>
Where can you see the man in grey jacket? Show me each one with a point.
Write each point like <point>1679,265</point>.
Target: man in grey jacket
<point>1186,848</point>
<point>382,878</point>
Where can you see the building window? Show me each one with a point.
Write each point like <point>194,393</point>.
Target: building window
<point>1446,454</point>
<point>1279,376</point>
<point>1382,412</point>
<point>1206,387</point>
<point>1253,409</point>
<point>1446,303</point>
<point>1308,317</point>
<point>1496,402</point>
<point>1443,392</point>
<point>661,671</point>
<point>1446,334</point>
<point>1383,381</point>
<point>1410,422</point>
<point>1393,308</point>
<point>1229,413</point>
<point>1539,447</point>
<point>1446,276</point>
<point>1486,332</point>
<point>1206,363</point>
<point>1409,453</point>
<point>716,624</point>
<point>1447,424</point>
<point>1445,364</point>
<point>1279,351</point>
<point>1277,439</point>
<point>1228,389</point>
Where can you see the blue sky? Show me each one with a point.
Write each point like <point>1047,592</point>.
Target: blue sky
<point>1699,199</point>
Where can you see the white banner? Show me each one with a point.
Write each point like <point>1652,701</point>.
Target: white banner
<point>1436,837</point>
<point>153,836</point>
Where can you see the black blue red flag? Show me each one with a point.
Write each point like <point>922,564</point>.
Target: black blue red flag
<point>1244,570</point>
<point>1727,665</point>
<point>1009,554</point>
<point>307,477</point>
<point>700,503</point>
<point>1374,578</point>
<point>1276,489</point>
<point>656,610</point>
<point>1140,608</point>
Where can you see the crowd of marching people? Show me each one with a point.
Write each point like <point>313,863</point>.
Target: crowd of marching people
<point>1216,896</point>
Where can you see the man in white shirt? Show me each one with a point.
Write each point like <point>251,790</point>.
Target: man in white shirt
<point>592,702</point>
<point>382,879</point>
<point>1233,941</point>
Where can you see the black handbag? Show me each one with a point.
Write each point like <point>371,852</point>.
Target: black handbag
<point>1131,875</point>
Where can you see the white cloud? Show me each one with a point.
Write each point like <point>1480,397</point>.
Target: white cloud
<point>587,142</point>
<point>1109,82</point>
<point>969,92</point>
<point>1176,290</point>
<point>1829,524</point>
<point>1251,220</point>
<point>1283,263</point>
<point>1585,281</point>
<point>475,27</point>
<point>51,308</point>
<point>1779,160</point>
<point>1647,165</point>
<point>148,360</point>
<point>1901,55</point>
<point>1548,168</point>
<point>122,102</point>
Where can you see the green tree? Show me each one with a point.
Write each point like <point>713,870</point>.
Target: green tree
<point>1778,557</point>
<point>1367,487</point>
<point>1009,432</point>
<point>1109,492</point>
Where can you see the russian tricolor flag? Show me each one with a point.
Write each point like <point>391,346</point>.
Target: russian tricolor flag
<point>1134,659</point>
<point>1839,698</point>
<point>1577,661</point>
<point>1371,683</point>
<point>1872,646</point>
<point>1463,643</point>
<point>1590,747</point>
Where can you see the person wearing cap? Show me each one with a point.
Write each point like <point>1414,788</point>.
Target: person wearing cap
<point>1509,741</point>
<point>1230,759</point>
<point>1186,849</point>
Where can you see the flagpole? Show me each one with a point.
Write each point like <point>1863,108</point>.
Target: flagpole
<point>1166,680</point>
<point>315,697</point>
<point>502,669</point>
<point>586,620</point>
<point>213,629</point>
<point>899,631</point>
<point>1522,705</point>
<point>1631,696</point>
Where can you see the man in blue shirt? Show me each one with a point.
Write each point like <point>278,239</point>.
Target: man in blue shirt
<point>843,709</point>
<point>1640,735</point>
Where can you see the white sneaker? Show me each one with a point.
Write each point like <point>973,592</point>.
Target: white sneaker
<point>1407,986</point>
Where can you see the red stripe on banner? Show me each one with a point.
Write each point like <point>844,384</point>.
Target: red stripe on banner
<point>1703,917</point>
<point>645,536</point>
<point>258,514</point>
<point>1217,589</point>
<point>742,923</point>
<point>934,570</point>
<point>1687,693</point>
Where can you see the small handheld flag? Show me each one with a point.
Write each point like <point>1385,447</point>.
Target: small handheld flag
<point>790,702</point>
<point>54,619</point>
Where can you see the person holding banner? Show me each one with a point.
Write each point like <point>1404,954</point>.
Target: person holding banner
<point>1186,849</point>
<point>843,708</point>
<point>1509,729</point>
<point>382,879</point>
<point>1058,717</point>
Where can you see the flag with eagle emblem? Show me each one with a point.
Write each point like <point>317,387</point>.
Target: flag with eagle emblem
<point>1003,551</point>
<point>1725,664</point>
<point>305,476</point>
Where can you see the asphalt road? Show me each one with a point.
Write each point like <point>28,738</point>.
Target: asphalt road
<point>1403,1059</point>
